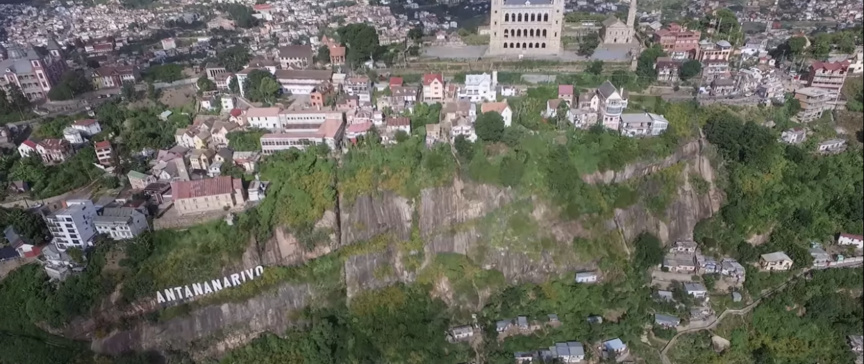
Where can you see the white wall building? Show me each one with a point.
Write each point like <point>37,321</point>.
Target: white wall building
<point>121,222</point>
<point>849,239</point>
<point>87,127</point>
<point>643,124</point>
<point>302,82</point>
<point>264,118</point>
<point>611,105</point>
<point>478,88</point>
<point>72,227</point>
<point>73,135</point>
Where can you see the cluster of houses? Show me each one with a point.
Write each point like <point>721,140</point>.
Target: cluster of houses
<point>685,257</point>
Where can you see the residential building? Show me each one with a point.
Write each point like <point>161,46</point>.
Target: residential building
<point>263,118</point>
<point>433,134</point>
<point>736,296</point>
<point>503,325</point>
<point>72,226</point>
<point>665,296</point>
<point>680,262</point>
<point>501,108</point>
<point>678,42</point>
<point>219,133</point>
<point>710,51</point>
<point>478,88</point>
<point>828,75</point>
<point>731,267</point>
<point>684,246</point>
<point>643,124</point>
<point>169,43</point>
<point>849,239</point>
<point>73,136</point>
<point>460,333</point>
<point>337,54</point>
<point>302,82</point>
<point>611,105</point>
<point>360,86</point>
<point>33,74</point>
<point>525,28</point>
<point>821,258</point>
<point>722,86</point>
<point>565,92</point>
<point>114,76</point>
<point>207,195</point>
<point>586,277</point>
<point>357,130</point>
<point>87,127</point>
<point>24,247</point>
<point>615,346</point>
<point>201,158</point>
<point>104,153</point>
<point>775,261</point>
<point>54,150</point>
<point>813,102</point>
<point>831,146</point>
<point>433,88</point>
<point>395,124</point>
<point>569,352</point>
<point>462,126</point>
<point>121,222</point>
<point>57,263</point>
<point>100,46</point>
<point>257,189</point>
<point>404,96</point>
<point>616,32</point>
<point>706,264</point>
<point>306,120</point>
<point>27,148</point>
<point>696,289</point>
<point>856,344</point>
<point>667,69</point>
<point>667,321</point>
<point>246,160</point>
<point>793,136</point>
<point>138,180</point>
<point>295,56</point>
<point>330,133</point>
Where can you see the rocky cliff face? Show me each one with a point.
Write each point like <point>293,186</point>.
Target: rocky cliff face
<point>464,218</point>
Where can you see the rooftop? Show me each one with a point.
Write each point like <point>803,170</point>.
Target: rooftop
<point>776,257</point>
<point>205,187</point>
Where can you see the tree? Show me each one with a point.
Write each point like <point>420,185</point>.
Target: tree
<point>163,73</point>
<point>620,78</point>
<point>464,148</point>
<point>233,59</point>
<point>261,86</point>
<point>416,33</point>
<point>152,92</point>
<point>323,55</point>
<point>241,15</point>
<point>489,126</point>
<point>796,44</point>
<point>561,112</point>
<point>128,91</point>
<point>793,106</point>
<point>645,64</point>
<point>689,69</point>
<point>205,84</point>
<point>595,67</point>
<point>28,225</point>
<point>72,83</point>
<point>649,251</point>
<point>588,44</point>
<point>361,41</point>
<point>401,136</point>
<point>234,85</point>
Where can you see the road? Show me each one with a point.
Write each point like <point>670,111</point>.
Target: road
<point>727,312</point>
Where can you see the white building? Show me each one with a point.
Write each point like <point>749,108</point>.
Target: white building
<point>330,133</point>
<point>643,124</point>
<point>463,126</point>
<point>264,118</point>
<point>695,289</point>
<point>228,102</point>
<point>849,239</point>
<point>611,105</point>
<point>72,135</point>
<point>302,82</point>
<point>501,108</point>
<point>26,148</point>
<point>169,43</point>
<point>478,88</point>
<point>87,127</point>
<point>569,352</point>
<point>72,227</point>
<point>121,222</point>
<point>586,277</point>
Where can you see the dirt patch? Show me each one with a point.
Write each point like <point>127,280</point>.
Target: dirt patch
<point>178,97</point>
<point>112,260</point>
<point>8,266</point>
<point>443,290</point>
<point>614,315</point>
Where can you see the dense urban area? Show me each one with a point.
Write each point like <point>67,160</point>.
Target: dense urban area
<point>431,181</point>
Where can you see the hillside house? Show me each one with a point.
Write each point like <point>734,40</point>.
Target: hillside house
<point>586,277</point>
<point>831,146</point>
<point>821,259</point>
<point>849,239</point>
<point>433,88</point>
<point>667,321</point>
<point>696,289</point>
<point>499,107</point>
<point>679,262</point>
<point>460,333</point>
<point>684,246</point>
<point>775,261</point>
<point>569,352</point>
<point>614,347</point>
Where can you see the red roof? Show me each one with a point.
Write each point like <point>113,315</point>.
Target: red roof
<point>262,7</point>
<point>830,66</point>
<point>236,112</point>
<point>396,81</point>
<point>54,144</point>
<point>398,121</point>
<point>852,236</point>
<point>565,89</point>
<point>103,144</point>
<point>29,143</point>
<point>85,122</point>
<point>429,77</point>
<point>337,51</point>
<point>33,252</point>
<point>204,187</point>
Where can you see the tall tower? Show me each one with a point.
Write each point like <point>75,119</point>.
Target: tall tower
<point>631,15</point>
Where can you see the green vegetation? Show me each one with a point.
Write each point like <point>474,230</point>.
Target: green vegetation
<point>14,106</point>
<point>72,84</point>
<point>261,86</point>
<point>241,15</point>
<point>248,140</point>
<point>51,180</point>
<point>233,59</point>
<point>28,225</point>
<point>163,73</point>
<point>362,42</point>
<point>689,69</point>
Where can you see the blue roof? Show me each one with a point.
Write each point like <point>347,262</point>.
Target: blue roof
<point>8,252</point>
<point>614,345</point>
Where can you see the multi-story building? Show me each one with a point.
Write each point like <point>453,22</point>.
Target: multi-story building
<point>87,127</point>
<point>295,56</point>
<point>72,226</point>
<point>54,150</point>
<point>828,75</point>
<point>611,104</point>
<point>501,108</point>
<point>616,32</point>
<point>306,120</point>
<point>104,153</point>
<point>667,69</point>
<point>433,87</point>
<point>115,76</point>
<point>264,118</point>
<point>526,27</point>
<point>775,261</point>
<point>337,54</point>
<point>359,86</point>
<point>643,124</point>
<point>302,82</point>
<point>678,42</point>
<point>330,133</point>
<point>479,88</point>
<point>121,222</point>
<point>813,102</point>
<point>33,74</point>
<point>714,52</point>
<point>207,195</point>
<point>99,46</point>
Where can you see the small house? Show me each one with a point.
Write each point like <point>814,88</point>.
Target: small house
<point>736,296</point>
<point>684,246</point>
<point>503,325</point>
<point>569,352</point>
<point>831,146</point>
<point>821,259</point>
<point>522,322</point>
<point>856,344</point>
<point>586,277</point>
<point>214,170</point>
<point>849,239</point>
<point>679,262</point>
<point>775,261</point>
<point>667,321</point>
<point>460,333</point>
<point>614,347</point>
<point>553,319</point>
<point>731,267</point>
<point>695,289</point>
<point>665,296</point>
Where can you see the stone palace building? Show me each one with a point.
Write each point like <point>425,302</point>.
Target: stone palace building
<point>525,27</point>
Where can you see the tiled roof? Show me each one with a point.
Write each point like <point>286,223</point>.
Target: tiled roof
<point>295,51</point>
<point>396,81</point>
<point>103,144</point>
<point>205,187</point>
<point>262,112</point>
<point>429,77</point>
<point>830,66</point>
<point>498,107</point>
<point>398,121</point>
<point>54,144</point>
<point>565,89</point>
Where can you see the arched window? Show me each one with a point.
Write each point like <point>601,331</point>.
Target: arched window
<point>519,17</point>
<point>531,32</point>
<point>507,17</point>
<point>543,45</point>
<point>514,45</point>
<point>530,45</point>
<point>505,45</point>
<point>544,32</point>
<point>506,33</point>
<point>518,32</point>
<point>545,17</point>
<point>533,17</point>
<point>537,45</point>
<point>524,45</point>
